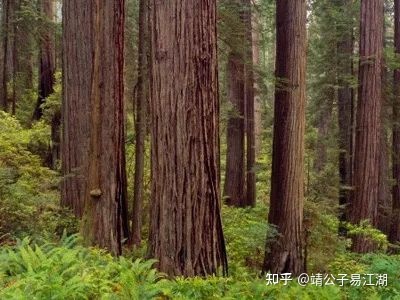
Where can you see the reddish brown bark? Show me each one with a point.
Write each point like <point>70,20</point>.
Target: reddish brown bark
<point>186,231</point>
<point>234,171</point>
<point>105,215</point>
<point>77,77</point>
<point>366,161</point>
<point>285,253</point>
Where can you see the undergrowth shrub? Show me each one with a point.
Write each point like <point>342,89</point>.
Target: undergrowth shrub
<point>246,231</point>
<point>29,194</point>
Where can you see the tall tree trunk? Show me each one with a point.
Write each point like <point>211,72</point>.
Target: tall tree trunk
<point>249,108</point>
<point>234,171</point>
<point>46,59</point>
<point>395,228</point>
<point>186,231</point>
<point>5,45</point>
<point>140,123</point>
<point>105,217</point>
<point>235,180</point>
<point>345,49</point>
<point>258,124</point>
<point>384,203</point>
<point>77,78</point>
<point>366,165</point>
<point>285,254</point>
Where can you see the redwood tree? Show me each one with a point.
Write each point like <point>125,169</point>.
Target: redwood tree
<point>285,253</point>
<point>77,77</point>
<point>366,160</point>
<point>239,188</point>
<point>234,187</point>
<point>186,231</point>
<point>395,228</point>
<point>105,213</point>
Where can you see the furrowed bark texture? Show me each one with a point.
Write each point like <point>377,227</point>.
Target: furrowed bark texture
<point>105,215</point>
<point>77,78</point>
<point>366,161</point>
<point>285,254</point>
<point>186,231</point>
<point>395,226</point>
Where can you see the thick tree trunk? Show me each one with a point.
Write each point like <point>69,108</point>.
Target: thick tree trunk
<point>105,217</point>
<point>234,171</point>
<point>250,199</point>
<point>186,231</point>
<point>285,254</point>
<point>140,123</point>
<point>46,59</point>
<point>366,165</point>
<point>395,228</point>
<point>345,49</point>
<point>77,77</point>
